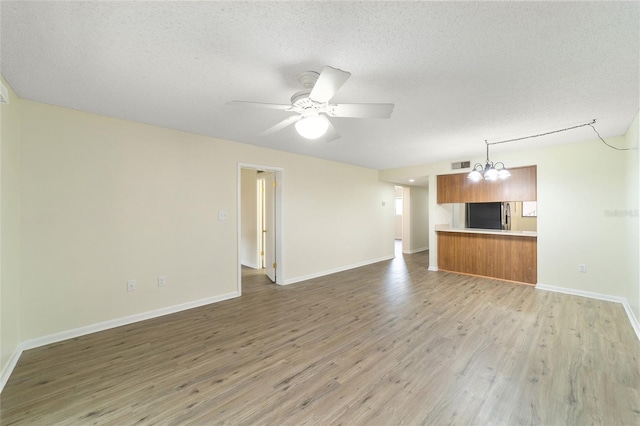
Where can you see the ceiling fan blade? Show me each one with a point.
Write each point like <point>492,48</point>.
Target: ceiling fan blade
<point>331,134</point>
<point>329,81</point>
<point>281,125</point>
<point>261,105</point>
<point>361,110</point>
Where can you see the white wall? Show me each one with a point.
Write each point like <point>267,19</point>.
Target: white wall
<point>577,185</point>
<point>248,217</point>
<point>9,230</point>
<point>106,200</point>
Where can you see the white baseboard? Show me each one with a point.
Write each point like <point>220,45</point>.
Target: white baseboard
<point>335,270</point>
<point>632,318</point>
<point>608,298</point>
<point>418,250</point>
<point>8,369</point>
<point>93,328</point>
<point>432,268</point>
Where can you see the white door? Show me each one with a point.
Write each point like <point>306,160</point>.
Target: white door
<point>269,231</point>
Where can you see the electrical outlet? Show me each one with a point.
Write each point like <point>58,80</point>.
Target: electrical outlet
<point>162,281</point>
<point>222,215</point>
<point>132,285</point>
<point>582,268</point>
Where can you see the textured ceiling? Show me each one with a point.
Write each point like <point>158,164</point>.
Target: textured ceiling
<point>458,73</point>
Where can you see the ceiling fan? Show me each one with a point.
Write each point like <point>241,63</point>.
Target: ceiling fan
<point>312,106</point>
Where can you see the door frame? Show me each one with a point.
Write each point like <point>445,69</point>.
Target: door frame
<point>268,238</point>
<point>279,173</point>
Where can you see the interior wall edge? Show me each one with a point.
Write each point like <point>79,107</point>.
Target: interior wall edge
<point>10,231</point>
<point>11,365</point>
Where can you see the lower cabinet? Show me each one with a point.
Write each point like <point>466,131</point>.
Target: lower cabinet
<point>506,257</point>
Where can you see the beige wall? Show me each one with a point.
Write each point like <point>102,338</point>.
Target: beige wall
<point>578,184</point>
<point>106,200</point>
<point>9,229</point>
<point>338,215</point>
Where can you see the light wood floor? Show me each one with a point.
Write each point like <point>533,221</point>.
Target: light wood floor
<point>389,343</point>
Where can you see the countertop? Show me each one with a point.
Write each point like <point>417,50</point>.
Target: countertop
<point>447,228</point>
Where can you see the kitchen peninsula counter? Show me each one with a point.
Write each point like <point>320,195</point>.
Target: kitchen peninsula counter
<point>447,228</point>
<point>493,253</point>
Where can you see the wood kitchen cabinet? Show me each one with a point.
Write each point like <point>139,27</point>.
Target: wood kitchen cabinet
<point>520,186</point>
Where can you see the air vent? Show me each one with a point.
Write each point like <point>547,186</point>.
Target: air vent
<point>461,165</point>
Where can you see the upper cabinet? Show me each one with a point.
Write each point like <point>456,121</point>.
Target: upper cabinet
<point>520,186</point>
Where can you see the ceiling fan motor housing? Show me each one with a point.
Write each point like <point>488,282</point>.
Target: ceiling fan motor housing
<point>301,102</point>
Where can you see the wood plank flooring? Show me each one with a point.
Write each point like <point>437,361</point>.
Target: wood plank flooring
<point>390,343</point>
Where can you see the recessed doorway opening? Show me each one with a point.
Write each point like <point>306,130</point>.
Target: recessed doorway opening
<point>260,222</point>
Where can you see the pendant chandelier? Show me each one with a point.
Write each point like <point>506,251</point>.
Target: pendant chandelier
<point>489,171</point>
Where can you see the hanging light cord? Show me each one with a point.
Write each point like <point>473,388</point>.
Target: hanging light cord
<point>605,142</point>
<point>590,124</point>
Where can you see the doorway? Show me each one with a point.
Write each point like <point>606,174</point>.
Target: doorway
<point>411,218</point>
<point>260,222</point>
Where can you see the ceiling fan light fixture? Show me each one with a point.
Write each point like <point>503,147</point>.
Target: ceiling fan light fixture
<point>312,126</point>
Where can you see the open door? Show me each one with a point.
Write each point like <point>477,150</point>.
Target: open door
<point>269,229</point>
